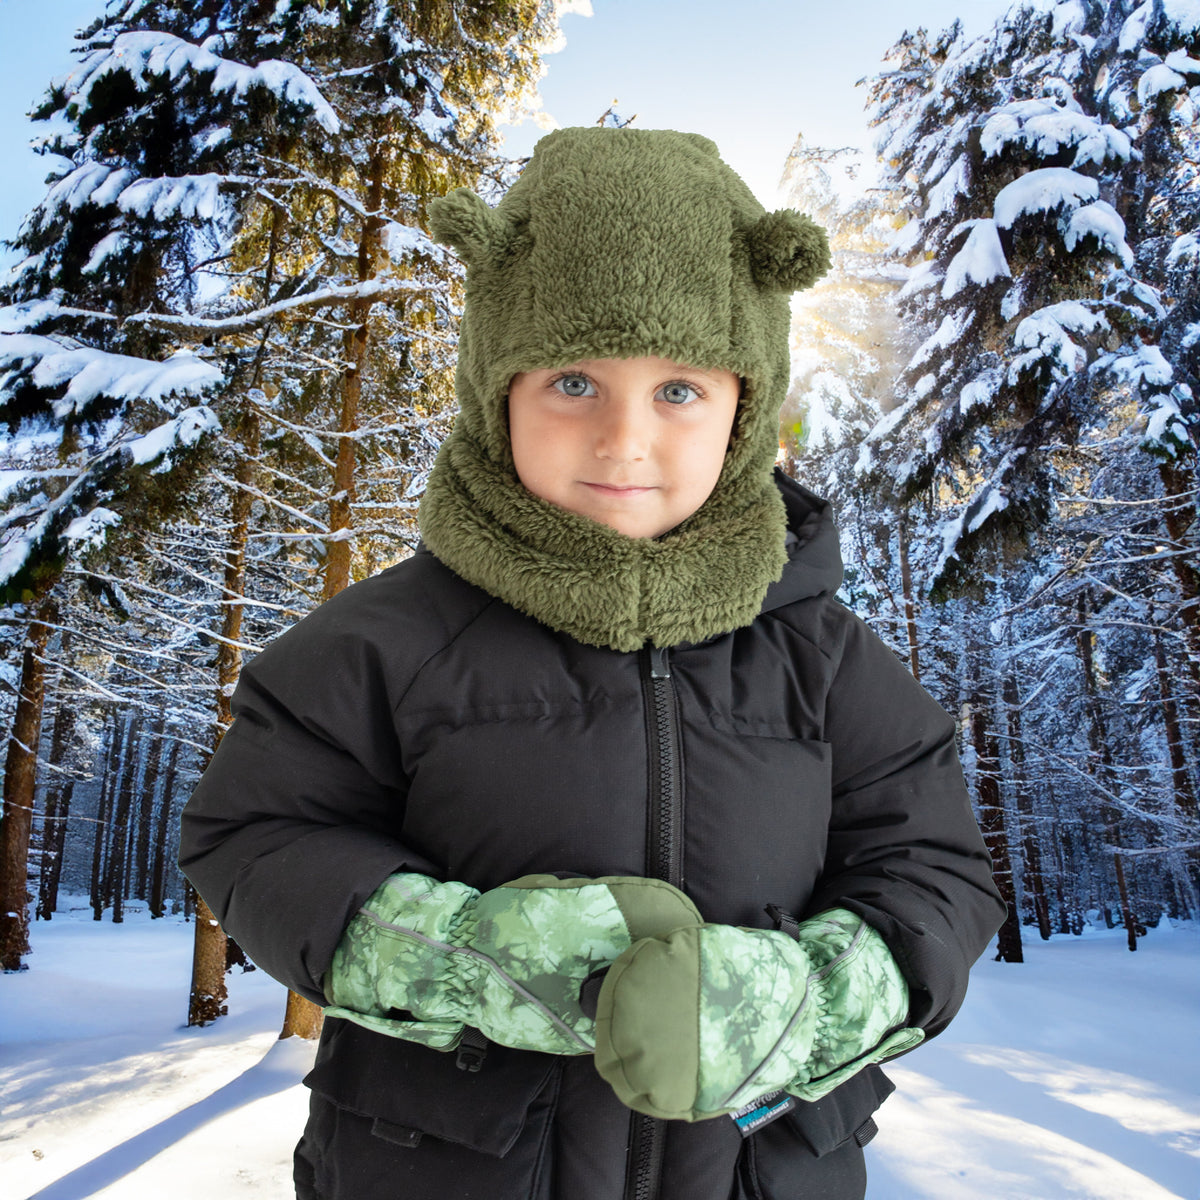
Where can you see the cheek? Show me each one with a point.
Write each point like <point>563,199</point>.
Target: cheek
<point>537,452</point>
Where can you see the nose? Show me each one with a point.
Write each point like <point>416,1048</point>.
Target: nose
<point>624,430</point>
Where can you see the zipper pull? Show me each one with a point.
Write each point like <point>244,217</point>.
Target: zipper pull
<point>658,663</point>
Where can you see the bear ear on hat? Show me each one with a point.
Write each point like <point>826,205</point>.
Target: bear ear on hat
<point>788,250</point>
<point>462,220</point>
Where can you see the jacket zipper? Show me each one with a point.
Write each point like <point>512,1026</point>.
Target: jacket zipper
<point>664,857</point>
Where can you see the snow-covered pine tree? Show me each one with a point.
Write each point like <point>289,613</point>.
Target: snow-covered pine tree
<point>262,159</point>
<point>1045,325</point>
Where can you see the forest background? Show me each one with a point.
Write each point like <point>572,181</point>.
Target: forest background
<point>226,359</point>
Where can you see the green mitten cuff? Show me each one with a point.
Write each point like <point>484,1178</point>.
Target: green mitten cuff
<point>709,1018</point>
<point>422,959</point>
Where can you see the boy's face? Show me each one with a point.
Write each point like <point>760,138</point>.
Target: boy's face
<point>634,443</point>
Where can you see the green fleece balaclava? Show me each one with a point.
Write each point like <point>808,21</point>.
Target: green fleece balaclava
<point>619,243</point>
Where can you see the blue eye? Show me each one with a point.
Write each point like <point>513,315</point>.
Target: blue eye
<point>571,383</point>
<point>672,392</point>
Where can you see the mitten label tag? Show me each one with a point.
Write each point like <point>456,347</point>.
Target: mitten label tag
<point>762,1112</point>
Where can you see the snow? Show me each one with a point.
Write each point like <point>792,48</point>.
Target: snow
<point>114,1097</point>
<point>922,275</point>
<point>1043,335</point>
<point>92,373</point>
<point>403,241</point>
<point>91,529</point>
<point>1160,78</point>
<point>1185,249</point>
<point>110,244</point>
<point>1166,426</point>
<point>981,390</point>
<point>1047,128</point>
<point>980,260</point>
<point>1101,221</point>
<point>16,318</point>
<point>952,328</point>
<point>185,429</point>
<point>1055,1080</point>
<point>943,196</point>
<point>1179,60</point>
<point>143,54</point>
<point>1042,190</point>
<point>193,196</point>
<point>1182,15</point>
<point>1147,364</point>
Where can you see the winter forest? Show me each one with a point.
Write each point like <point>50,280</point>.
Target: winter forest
<point>226,365</point>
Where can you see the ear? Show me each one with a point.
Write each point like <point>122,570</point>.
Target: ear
<point>788,251</point>
<point>461,219</point>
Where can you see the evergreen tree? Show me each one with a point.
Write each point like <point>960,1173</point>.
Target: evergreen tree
<point>265,167</point>
<point>1043,448</point>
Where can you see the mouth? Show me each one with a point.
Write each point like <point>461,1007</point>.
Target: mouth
<point>617,489</point>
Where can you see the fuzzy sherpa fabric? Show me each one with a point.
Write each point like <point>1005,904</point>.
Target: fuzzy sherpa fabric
<point>619,243</point>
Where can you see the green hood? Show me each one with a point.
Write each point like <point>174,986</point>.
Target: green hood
<point>619,243</point>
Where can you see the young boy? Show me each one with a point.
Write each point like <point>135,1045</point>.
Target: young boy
<point>618,850</point>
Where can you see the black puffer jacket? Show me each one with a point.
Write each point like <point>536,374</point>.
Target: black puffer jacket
<point>413,722</point>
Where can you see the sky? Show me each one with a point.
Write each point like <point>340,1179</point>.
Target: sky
<point>781,68</point>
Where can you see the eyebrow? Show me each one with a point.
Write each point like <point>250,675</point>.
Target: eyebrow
<point>681,366</point>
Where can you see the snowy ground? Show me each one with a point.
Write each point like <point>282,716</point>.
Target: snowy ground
<point>1074,1075</point>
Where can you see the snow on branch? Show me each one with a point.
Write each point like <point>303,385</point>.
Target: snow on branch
<point>90,373</point>
<point>1043,335</point>
<point>1158,79</point>
<point>953,326</point>
<point>188,325</point>
<point>1168,434</point>
<point>1047,129</point>
<point>1101,221</point>
<point>145,55</point>
<point>980,261</point>
<point>100,185</point>
<point>990,499</point>
<point>66,517</point>
<point>1145,365</point>
<point>1185,250</point>
<point>1043,190</point>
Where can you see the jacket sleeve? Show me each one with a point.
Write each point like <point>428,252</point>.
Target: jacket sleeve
<point>904,851</point>
<point>296,819</point>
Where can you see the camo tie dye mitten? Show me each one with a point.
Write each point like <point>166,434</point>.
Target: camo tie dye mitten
<point>422,959</point>
<point>709,1018</point>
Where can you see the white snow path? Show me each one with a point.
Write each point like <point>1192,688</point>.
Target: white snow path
<point>1072,1075</point>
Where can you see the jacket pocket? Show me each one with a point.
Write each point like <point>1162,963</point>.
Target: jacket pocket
<point>428,1120</point>
<point>826,1123</point>
<point>781,1155</point>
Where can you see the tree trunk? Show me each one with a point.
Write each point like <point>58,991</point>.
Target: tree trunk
<point>1098,741</point>
<point>101,828</point>
<point>1185,795</point>
<point>991,806</point>
<point>149,787</point>
<point>20,779</point>
<point>302,1018</point>
<point>159,862</point>
<point>1182,520</point>
<point>1126,907</point>
<point>208,995</point>
<point>58,809</point>
<point>337,558</point>
<point>121,830</point>
<point>1034,886</point>
<point>910,617</point>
